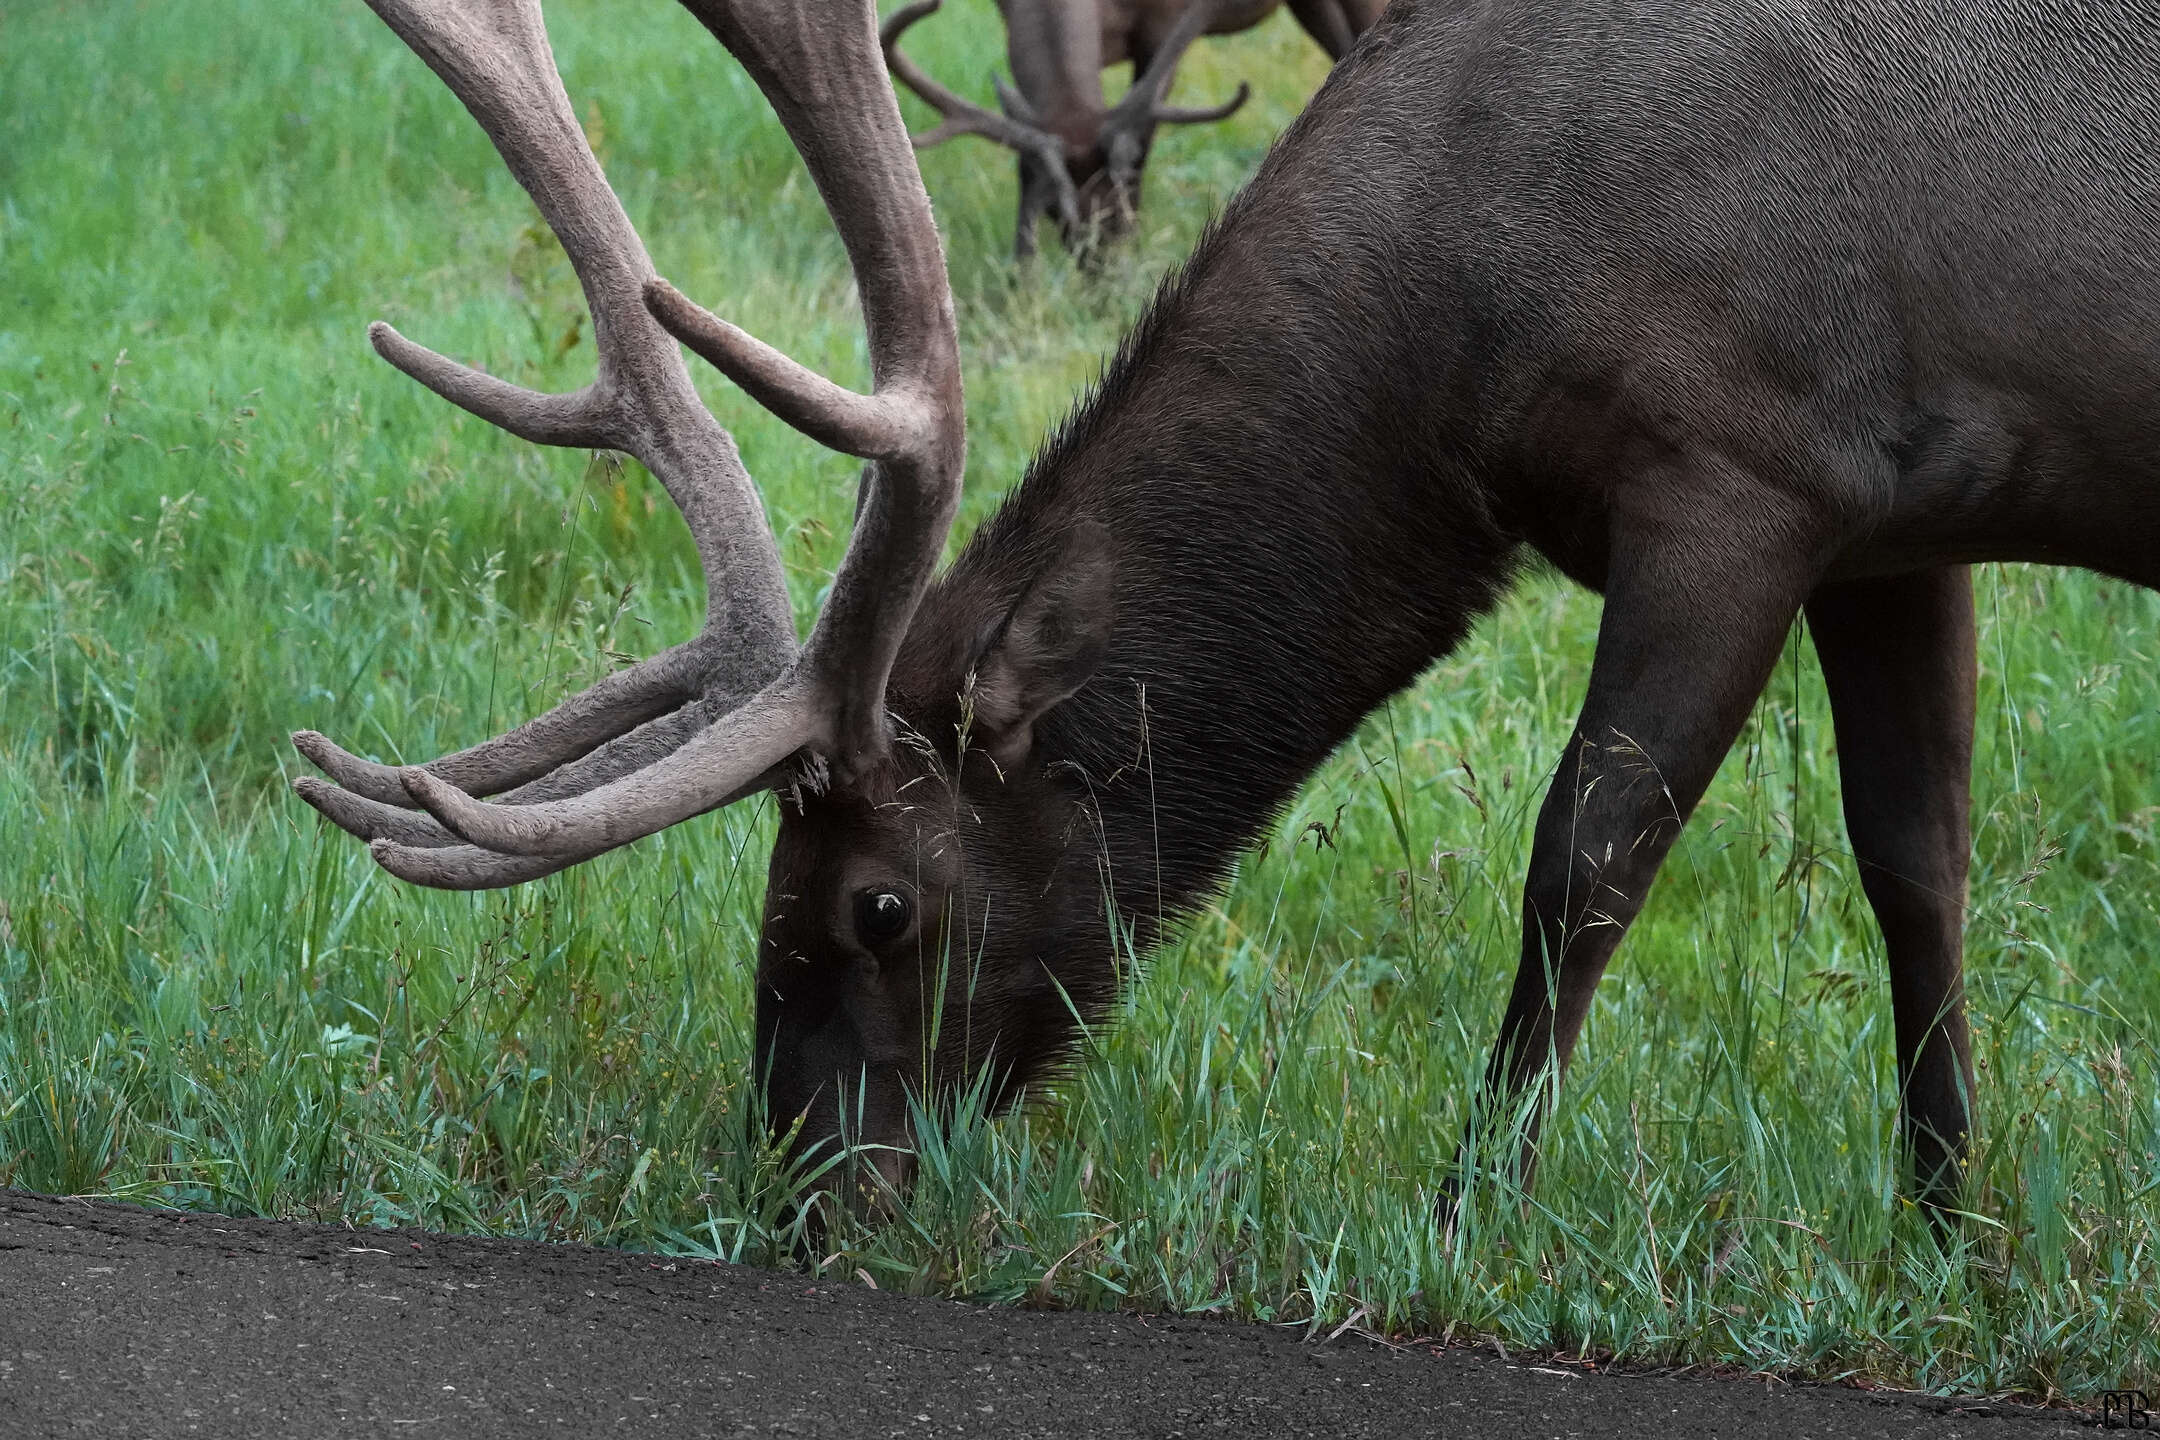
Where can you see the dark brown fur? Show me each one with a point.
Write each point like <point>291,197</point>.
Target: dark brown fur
<point>1730,311</point>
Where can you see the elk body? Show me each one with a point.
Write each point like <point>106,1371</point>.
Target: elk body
<point>1733,314</point>
<point>1081,157</point>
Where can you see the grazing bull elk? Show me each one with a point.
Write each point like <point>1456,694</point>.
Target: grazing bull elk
<point>1734,314</point>
<point>1080,157</point>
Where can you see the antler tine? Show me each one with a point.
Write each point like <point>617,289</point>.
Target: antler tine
<point>1203,114</point>
<point>828,87</point>
<point>433,856</point>
<point>961,117</point>
<point>370,817</point>
<point>451,866</point>
<point>420,850</point>
<point>613,705</point>
<point>824,78</point>
<point>735,756</point>
<point>1142,105</point>
<point>466,867</point>
<point>367,819</point>
<point>1013,103</point>
<point>494,55</point>
<point>573,420</point>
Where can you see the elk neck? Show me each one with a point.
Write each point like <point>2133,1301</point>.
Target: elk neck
<point>1055,53</point>
<point>1296,538</point>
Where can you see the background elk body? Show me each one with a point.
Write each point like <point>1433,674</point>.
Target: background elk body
<point>1734,315</point>
<point>1080,157</point>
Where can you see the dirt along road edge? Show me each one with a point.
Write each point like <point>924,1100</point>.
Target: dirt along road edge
<point>116,1320</point>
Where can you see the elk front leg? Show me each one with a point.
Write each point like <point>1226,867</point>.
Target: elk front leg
<point>1689,636</point>
<point>1897,657</point>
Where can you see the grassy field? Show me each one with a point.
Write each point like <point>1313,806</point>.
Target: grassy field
<point>222,519</point>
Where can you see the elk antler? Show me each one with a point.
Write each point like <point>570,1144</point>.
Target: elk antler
<point>730,711</point>
<point>1140,109</point>
<point>1123,133</point>
<point>1017,129</point>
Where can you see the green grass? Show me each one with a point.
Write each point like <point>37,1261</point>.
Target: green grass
<point>222,520</point>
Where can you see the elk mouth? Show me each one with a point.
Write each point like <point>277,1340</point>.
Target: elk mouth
<point>846,1183</point>
<point>871,1177</point>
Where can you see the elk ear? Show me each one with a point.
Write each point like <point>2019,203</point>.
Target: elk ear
<point>1045,647</point>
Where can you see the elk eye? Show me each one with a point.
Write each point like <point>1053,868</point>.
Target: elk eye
<point>881,914</point>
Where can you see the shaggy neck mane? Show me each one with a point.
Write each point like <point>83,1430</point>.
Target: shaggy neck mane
<point>1291,549</point>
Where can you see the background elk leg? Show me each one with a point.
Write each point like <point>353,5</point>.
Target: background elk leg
<point>1694,621</point>
<point>1897,656</point>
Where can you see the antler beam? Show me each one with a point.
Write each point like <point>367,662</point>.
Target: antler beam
<point>726,713</point>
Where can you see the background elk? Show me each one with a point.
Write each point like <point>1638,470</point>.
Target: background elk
<point>1733,315</point>
<point>1081,157</point>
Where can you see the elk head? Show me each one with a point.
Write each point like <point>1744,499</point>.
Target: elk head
<point>937,921</point>
<point>874,953</point>
<point>1080,161</point>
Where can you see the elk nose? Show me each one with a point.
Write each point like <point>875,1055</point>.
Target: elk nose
<point>895,1168</point>
<point>865,1183</point>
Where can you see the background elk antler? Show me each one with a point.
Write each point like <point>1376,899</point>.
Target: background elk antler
<point>727,712</point>
<point>1081,160</point>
